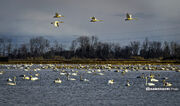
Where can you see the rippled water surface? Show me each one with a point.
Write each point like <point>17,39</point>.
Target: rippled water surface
<point>95,92</point>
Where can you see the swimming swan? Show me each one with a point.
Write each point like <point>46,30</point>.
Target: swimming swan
<point>57,81</point>
<point>33,78</point>
<point>166,83</point>
<point>12,83</point>
<point>128,83</point>
<point>154,80</point>
<point>111,81</point>
<point>149,84</point>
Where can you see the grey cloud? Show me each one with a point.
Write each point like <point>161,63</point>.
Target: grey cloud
<point>33,17</point>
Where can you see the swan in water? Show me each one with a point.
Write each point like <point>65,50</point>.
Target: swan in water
<point>26,77</point>
<point>62,73</point>
<point>37,74</point>
<point>33,78</point>
<point>81,79</point>
<point>57,15</point>
<point>12,83</point>
<point>128,83</point>
<point>68,77</point>
<point>129,17</point>
<point>100,74</point>
<point>9,79</point>
<point>149,84</point>
<point>56,23</point>
<point>166,83</point>
<point>154,80</point>
<point>94,19</point>
<point>1,72</point>
<point>89,72</point>
<point>74,74</point>
<point>71,79</point>
<point>165,78</point>
<point>111,81</point>
<point>57,81</point>
<point>151,75</point>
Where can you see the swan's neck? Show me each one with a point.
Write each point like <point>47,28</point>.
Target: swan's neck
<point>146,81</point>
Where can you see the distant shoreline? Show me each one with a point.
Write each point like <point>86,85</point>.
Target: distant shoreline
<point>92,61</point>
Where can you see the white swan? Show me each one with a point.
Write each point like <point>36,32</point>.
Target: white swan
<point>149,84</point>
<point>166,83</point>
<point>26,77</point>
<point>128,83</point>
<point>89,72</point>
<point>56,23</point>
<point>129,17</point>
<point>72,79</point>
<point>86,80</point>
<point>1,72</point>
<point>165,78</point>
<point>111,81</point>
<point>68,78</point>
<point>12,83</point>
<point>81,79</point>
<point>100,73</point>
<point>154,80</point>
<point>62,73</point>
<point>57,15</point>
<point>74,74</point>
<point>94,19</point>
<point>37,74</point>
<point>98,70</point>
<point>57,81</point>
<point>33,78</point>
<point>9,79</point>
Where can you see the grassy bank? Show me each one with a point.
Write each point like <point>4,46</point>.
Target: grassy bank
<point>91,61</point>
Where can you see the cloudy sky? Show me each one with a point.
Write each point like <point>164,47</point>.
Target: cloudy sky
<point>157,19</point>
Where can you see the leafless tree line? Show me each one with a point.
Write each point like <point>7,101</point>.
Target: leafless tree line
<point>88,47</point>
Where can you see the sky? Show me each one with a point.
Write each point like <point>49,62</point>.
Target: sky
<point>158,20</point>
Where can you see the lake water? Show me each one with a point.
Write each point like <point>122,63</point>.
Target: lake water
<point>96,92</point>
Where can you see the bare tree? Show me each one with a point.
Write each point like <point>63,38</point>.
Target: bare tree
<point>38,46</point>
<point>135,47</point>
<point>166,50</point>
<point>1,46</point>
<point>144,50</point>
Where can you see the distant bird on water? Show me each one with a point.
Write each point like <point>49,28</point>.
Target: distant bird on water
<point>94,19</point>
<point>56,23</point>
<point>129,17</point>
<point>1,72</point>
<point>57,81</point>
<point>149,84</point>
<point>128,83</point>
<point>12,83</point>
<point>111,81</point>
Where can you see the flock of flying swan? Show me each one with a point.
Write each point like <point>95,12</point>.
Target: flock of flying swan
<point>93,19</point>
